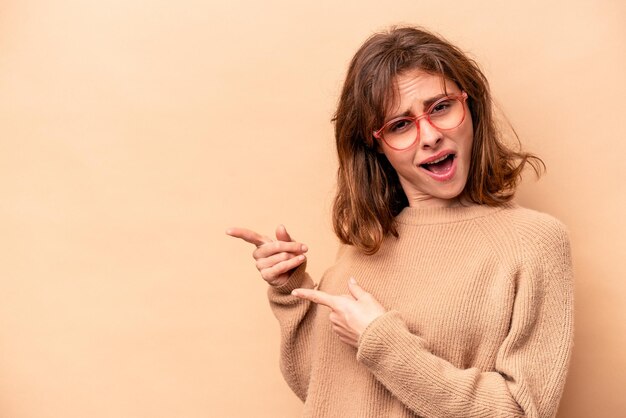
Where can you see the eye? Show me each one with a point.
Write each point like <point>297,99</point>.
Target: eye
<point>441,107</point>
<point>399,125</point>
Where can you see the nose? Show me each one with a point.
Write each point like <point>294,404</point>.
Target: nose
<point>430,136</point>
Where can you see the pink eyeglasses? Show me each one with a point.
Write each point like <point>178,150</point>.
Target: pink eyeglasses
<point>403,132</point>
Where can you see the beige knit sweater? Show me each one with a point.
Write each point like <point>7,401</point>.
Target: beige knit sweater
<point>479,321</point>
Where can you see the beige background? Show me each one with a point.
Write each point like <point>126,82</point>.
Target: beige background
<point>133,132</point>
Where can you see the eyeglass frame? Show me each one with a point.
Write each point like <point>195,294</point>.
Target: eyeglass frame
<point>462,97</point>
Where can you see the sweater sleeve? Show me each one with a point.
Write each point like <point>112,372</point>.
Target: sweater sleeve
<point>531,363</point>
<point>295,317</point>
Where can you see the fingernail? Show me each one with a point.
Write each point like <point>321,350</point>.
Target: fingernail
<point>352,280</point>
<point>304,248</point>
<point>294,292</point>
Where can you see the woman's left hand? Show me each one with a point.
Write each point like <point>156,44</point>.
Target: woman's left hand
<point>351,314</point>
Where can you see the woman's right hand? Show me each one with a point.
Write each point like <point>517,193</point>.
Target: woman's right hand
<point>275,259</point>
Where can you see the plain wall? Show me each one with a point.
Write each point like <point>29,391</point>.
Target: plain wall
<point>134,132</point>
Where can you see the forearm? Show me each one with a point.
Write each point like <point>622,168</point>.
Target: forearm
<point>433,387</point>
<point>295,319</point>
<point>426,384</point>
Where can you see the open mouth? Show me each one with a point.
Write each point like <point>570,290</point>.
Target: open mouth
<point>440,166</point>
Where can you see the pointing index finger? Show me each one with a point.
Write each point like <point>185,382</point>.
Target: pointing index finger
<point>248,235</point>
<point>316,296</point>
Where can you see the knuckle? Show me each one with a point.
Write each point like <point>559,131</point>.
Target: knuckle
<point>267,274</point>
<point>341,305</point>
<point>273,271</point>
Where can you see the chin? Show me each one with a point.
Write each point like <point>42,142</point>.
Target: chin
<point>451,193</point>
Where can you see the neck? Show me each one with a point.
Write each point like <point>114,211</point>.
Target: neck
<point>423,215</point>
<point>423,202</point>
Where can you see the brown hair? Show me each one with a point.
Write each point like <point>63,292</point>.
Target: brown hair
<point>369,194</point>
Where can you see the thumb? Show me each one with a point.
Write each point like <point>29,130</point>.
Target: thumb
<point>282,234</point>
<point>356,290</point>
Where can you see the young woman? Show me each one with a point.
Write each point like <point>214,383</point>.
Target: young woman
<point>447,299</point>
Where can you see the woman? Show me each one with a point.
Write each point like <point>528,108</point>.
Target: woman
<point>463,306</point>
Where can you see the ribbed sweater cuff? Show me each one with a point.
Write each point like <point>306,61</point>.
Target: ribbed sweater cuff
<point>387,331</point>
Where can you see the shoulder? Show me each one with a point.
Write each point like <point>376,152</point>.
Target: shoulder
<point>542,237</point>
<point>521,233</point>
<point>537,228</point>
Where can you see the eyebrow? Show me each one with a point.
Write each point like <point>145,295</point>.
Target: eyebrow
<point>427,103</point>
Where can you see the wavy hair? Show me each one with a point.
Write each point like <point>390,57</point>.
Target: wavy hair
<point>369,194</point>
